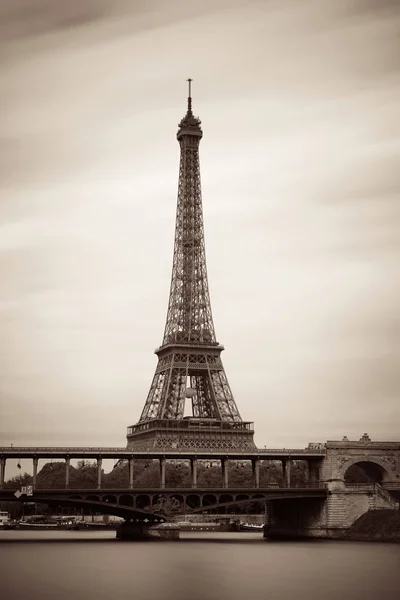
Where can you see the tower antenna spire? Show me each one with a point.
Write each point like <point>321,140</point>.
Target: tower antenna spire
<point>190,95</point>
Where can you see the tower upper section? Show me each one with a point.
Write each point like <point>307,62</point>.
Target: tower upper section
<point>189,318</point>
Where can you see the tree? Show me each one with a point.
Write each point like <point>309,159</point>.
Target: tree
<point>177,474</point>
<point>51,476</point>
<point>15,483</point>
<point>146,474</point>
<point>118,478</point>
<point>84,476</point>
<point>208,476</point>
<point>240,474</point>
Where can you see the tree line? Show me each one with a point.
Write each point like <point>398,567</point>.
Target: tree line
<point>147,475</point>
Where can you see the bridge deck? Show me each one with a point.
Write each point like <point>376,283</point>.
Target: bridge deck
<point>316,487</point>
<point>120,453</point>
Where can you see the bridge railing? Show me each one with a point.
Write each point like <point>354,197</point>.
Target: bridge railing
<point>313,485</point>
<point>57,449</point>
<point>381,489</point>
<point>360,486</point>
<point>296,485</point>
<point>125,452</point>
<point>391,485</point>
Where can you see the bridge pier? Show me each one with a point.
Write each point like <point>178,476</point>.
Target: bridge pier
<point>328,517</point>
<point>133,531</point>
<point>140,531</point>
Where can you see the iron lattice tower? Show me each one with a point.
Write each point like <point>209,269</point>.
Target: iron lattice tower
<point>189,363</point>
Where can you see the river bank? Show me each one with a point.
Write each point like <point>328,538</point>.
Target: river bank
<point>376,526</point>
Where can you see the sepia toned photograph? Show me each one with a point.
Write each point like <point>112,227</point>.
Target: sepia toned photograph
<point>199,299</point>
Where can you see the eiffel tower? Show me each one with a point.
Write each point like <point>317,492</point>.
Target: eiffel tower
<point>189,366</point>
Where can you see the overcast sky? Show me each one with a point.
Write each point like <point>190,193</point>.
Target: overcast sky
<point>299,101</point>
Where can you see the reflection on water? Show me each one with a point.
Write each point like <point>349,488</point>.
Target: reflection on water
<point>77,565</point>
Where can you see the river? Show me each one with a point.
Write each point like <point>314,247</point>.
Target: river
<point>63,565</point>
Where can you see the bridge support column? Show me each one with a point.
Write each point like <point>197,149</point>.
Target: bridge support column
<point>133,531</point>
<point>99,464</point>
<point>225,472</point>
<point>267,513</point>
<point>67,465</point>
<point>162,472</point>
<point>308,471</point>
<point>193,472</point>
<point>2,471</point>
<point>256,473</point>
<point>131,473</point>
<point>313,471</point>
<point>35,468</point>
<point>286,472</point>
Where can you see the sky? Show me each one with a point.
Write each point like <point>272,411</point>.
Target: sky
<point>299,107</point>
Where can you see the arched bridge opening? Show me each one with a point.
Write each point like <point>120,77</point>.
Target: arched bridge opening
<point>365,472</point>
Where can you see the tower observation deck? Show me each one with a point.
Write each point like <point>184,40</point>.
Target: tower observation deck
<point>189,366</point>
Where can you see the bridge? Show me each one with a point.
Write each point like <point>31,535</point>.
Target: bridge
<point>162,503</point>
<point>311,455</point>
<point>325,505</point>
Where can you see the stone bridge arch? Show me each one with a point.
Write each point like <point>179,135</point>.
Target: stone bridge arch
<point>365,469</point>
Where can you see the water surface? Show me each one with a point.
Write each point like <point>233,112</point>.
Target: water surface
<point>63,565</point>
